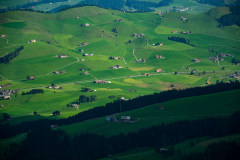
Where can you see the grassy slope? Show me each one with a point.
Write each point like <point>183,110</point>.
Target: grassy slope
<point>63,31</point>
<point>220,104</point>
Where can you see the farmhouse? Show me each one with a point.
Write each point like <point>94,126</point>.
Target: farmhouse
<point>135,35</point>
<point>3,35</point>
<point>84,44</point>
<point>32,41</point>
<point>5,94</point>
<point>125,118</point>
<point>158,70</point>
<point>188,68</point>
<point>118,20</point>
<point>146,74</point>
<point>142,34</point>
<point>187,32</point>
<point>182,18</point>
<point>116,67</point>
<point>55,72</point>
<point>196,60</point>
<point>81,50</point>
<point>31,78</point>
<point>63,56</point>
<point>63,72</point>
<point>159,56</point>
<point>86,73</point>
<point>75,106</point>
<point>158,44</point>
<point>85,24</point>
<point>175,31</point>
<point>159,13</point>
<point>141,60</point>
<point>90,54</point>
<point>215,59</point>
<point>101,81</point>
<point>115,58</point>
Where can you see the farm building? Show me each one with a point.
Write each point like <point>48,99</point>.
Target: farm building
<point>135,35</point>
<point>215,59</point>
<point>55,72</point>
<point>5,95</point>
<point>75,106</point>
<point>146,74</point>
<point>115,57</point>
<point>82,69</point>
<point>116,67</point>
<point>3,35</point>
<point>159,56</point>
<point>142,34</point>
<point>187,32</point>
<point>86,73</point>
<point>175,31</point>
<point>158,70</point>
<point>31,78</point>
<point>63,72</point>
<point>32,41</point>
<point>118,20</point>
<point>101,81</point>
<point>158,44</point>
<point>125,118</point>
<point>182,18</point>
<point>86,25</point>
<point>63,56</point>
<point>159,13</point>
<point>84,44</point>
<point>196,60</point>
<point>188,68</point>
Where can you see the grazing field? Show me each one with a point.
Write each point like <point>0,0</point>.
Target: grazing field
<point>63,33</point>
<point>220,104</point>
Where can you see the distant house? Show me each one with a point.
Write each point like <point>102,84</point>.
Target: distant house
<point>55,72</point>
<point>146,74</point>
<point>159,13</point>
<point>182,18</point>
<point>90,54</point>
<point>77,17</point>
<point>142,34</point>
<point>63,56</point>
<point>3,35</point>
<point>81,50</point>
<point>135,35</point>
<point>84,44</point>
<point>63,72</point>
<point>116,67</point>
<point>188,68</point>
<point>75,106</point>
<point>82,60</point>
<point>158,70</point>
<point>159,56</point>
<point>85,24</point>
<point>215,59</point>
<point>31,78</point>
<point>196,60</point>
<point>101,81</point>
<point>124,118</point>
<point>187,32</point>
<point>115,58</point>
<point>175,31</point>
<point>158,44</point>
<point>118,20</point>
<point>32,41</point>
<point>207,82</point>
<point>141,60</point>
<point>85,54</point>
<point>5,95</point>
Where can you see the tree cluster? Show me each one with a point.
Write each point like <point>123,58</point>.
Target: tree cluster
<point>84,99</point>
<point>33,91</point>
<point>44,143</point>
<point>232,18</point>
<point>181,40</point>
<point>7,58</point>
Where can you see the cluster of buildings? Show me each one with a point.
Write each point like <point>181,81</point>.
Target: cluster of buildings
<point>235,75</point>
<point>6,94</point>
<point>118,20</point>
<point>54,87</point>
<point>186,32</point>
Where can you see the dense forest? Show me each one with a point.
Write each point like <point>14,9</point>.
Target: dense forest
<point>114,107</point>
<point>232,18</point>
<point>7,58</point>
<point>212,2</point>
<point>33,91</point>
<point>44,143</point>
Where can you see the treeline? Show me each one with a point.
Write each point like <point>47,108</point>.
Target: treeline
<point>114,107</point>
<point>7,58</point>
<point>140,6</point>
<point>33,91</point>
<point>235,60</point>
<point>44,143</point>
<point>27,6</point>
<point>232,18</point>
<point>221,150</point>
<point>212,2</point>
<point>181,39</point>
